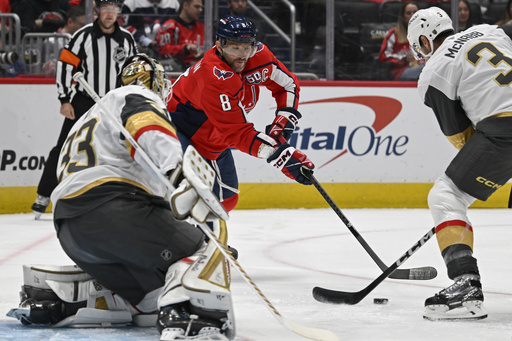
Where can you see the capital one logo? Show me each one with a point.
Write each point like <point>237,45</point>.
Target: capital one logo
<point>386,109</point>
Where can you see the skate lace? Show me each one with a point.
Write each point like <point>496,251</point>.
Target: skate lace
<point>460,286</point>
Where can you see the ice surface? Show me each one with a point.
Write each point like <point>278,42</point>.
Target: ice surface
<point>287,253</point>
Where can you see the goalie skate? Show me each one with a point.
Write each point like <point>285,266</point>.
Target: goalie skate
<point>463,300</point>
<point>179,324</point>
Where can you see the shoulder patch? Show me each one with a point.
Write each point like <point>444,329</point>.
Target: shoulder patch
<point>222,73</point>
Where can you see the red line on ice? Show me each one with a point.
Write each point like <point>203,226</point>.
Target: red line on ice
<point>26,248</point>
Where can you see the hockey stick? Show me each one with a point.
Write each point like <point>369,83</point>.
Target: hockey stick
<point>308,332</point>
<point>344,297</point>
<point>423,273</point>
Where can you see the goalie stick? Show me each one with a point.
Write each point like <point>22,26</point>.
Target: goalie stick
<point>423,273</point>
<point>344,297</point>
<point>307,332</point>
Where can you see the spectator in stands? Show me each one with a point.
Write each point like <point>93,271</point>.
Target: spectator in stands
<point>237,7</point>
<point>181,38</point>
<point>51,52</point>
<point>42,15</point>
<point>507,16</point>
<point>395,47</point>
<point>465,20</point>
<point>241,7</point>
<point>145,16</point>
<point>5,6</point>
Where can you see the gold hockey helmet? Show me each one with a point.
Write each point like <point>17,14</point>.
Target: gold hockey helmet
<point>140,69</point>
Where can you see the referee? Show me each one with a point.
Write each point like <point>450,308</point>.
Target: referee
<point>98,50</point>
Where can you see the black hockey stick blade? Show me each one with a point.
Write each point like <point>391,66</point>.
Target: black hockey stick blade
<point>343,297</point>
<point>423,273</point>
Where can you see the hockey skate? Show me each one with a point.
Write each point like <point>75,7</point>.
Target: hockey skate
<point>175,322</point>
<point>463,300</point>
<point>40,206</point>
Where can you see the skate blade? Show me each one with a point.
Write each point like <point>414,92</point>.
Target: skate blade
<point>37,215</point>
<point>170,334</point>
<point>18,313</point>
<point>471,310</point>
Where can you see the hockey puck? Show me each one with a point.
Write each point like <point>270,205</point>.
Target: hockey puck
<point>380,301</point>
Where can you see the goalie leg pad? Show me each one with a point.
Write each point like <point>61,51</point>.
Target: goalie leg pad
<point>65,295</point>
<point>207,283</point>
<point>173,291</point>
<point>203,290</point>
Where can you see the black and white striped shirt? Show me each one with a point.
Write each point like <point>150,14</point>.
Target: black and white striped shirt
<point>97,55</point>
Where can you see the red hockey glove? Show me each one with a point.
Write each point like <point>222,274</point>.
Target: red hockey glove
<point>290,161</point>
<point>284,124</point>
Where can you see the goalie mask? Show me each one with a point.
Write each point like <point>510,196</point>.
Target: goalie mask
<point>429,22</point>
<point>140,69</point>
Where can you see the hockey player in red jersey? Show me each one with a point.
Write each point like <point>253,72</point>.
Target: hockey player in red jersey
<point>180,38</point>
<point>212,98</point>
<point>466,81</point>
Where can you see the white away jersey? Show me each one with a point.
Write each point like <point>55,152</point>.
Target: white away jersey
<point>473,67</point>
<point>96,152</point>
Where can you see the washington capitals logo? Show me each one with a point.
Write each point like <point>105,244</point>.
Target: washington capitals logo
<point>222,73</point>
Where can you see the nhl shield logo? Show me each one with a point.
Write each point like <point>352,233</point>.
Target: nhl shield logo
<point>222,73</point>
<point>119,54</point>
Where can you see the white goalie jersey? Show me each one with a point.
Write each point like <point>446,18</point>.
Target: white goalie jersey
<point>471,71</point>
<point>96,152</point>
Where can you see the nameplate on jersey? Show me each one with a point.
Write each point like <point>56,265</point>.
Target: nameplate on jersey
<point>457,44</point>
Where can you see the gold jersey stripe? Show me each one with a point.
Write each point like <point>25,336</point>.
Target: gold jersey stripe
<point>101,182</point>
<point>460,139</point>
<point>136,123</point>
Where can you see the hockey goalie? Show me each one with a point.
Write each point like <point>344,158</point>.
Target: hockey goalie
<point>137,259</point>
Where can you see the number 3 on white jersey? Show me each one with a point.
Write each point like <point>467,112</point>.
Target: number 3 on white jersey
<point>473,56</point>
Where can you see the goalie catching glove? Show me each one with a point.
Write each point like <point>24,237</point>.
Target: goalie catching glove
<point>290,161</point>
<point>283,125</point>
<point>194,196</point>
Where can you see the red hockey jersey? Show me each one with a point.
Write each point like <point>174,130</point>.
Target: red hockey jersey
<point>175,34</point>
<point>210,101</point>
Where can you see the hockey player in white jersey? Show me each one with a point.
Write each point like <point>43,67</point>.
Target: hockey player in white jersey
<point>467,83</point>
<point>113,218</point>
